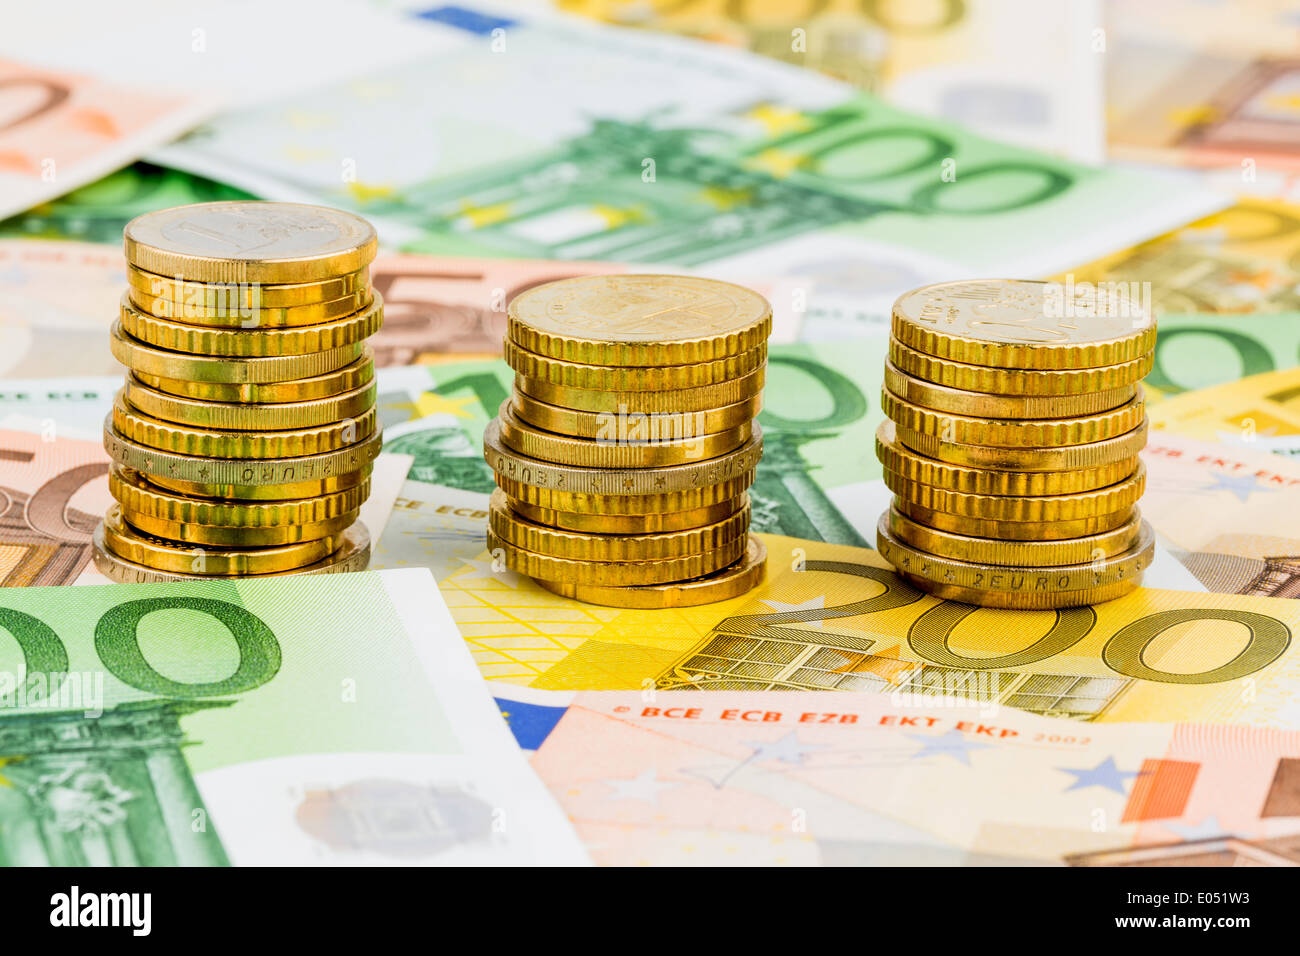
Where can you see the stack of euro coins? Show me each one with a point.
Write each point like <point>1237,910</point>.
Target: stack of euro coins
<point>1015,419</point>
<point>625,452</point>
<point>243,439</point>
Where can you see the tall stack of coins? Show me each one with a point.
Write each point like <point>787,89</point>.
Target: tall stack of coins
<point>1015,422</point>
<point>243,440</point>
<point>624,456</point>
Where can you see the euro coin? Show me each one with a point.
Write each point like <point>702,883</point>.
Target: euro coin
<point>232,318</point>
<point>248,417</point>
<point>626,506</point>
<point>253,341</point>
<point>632,378</point>
<point>1016,323</point>
<point>351,554</point>
<point>577,424</point>
<point>1046,508</point>
<point>1059,458</point>
<point>1042,579</point>
<point>654,523</point>
<point>513,466</point>
<point>941,398</point>
<point>902,461</point>
<point>149,360</point>
<point>138,548</point>
<point>1027,600</point>
<point>215,443</point>
<point>262,473</point>
<point>1012,433</point>
<point>616,573</point>
<point>1009,381</point>
<point>731,582</point>
<point>614,452</point>
<point>697,399</point>
<point>301,489</point>
<point>346,379</point>
<point>176,294</point>
<point>641,320</point>
<point>225,537</point>
<point>250,241</point>
<point>1013,530</point>
<point>138,496</point>
<point>963,547</point>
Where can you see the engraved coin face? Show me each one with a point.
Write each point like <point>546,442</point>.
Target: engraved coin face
<point>288,241</point>
<point>639,308</point>
<point>1026,324</point>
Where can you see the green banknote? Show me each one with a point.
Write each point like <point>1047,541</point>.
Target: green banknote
<point>1195,351</point>
<point>97,213</point>
<point>302,720</point>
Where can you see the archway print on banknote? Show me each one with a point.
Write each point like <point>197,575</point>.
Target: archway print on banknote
<point>788,650</point>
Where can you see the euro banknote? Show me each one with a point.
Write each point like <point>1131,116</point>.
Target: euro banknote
<point>1259,412</point>
<point>643,148</point>
<point>1226,513</point>
<point>1024,72</point>
<point>1242,260</point>
<point>762,778</point>
<point>298,721</point>
<point>61,128</point>
<point>1197,351</point>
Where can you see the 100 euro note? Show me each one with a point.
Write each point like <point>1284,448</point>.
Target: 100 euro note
<point>295,721</point>
<point>630,147</point>
<point>763,778</point>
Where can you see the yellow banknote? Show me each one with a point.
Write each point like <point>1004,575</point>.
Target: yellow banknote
<point>1261,412</point>
<point>834,617</point>
<point>1243,259</point>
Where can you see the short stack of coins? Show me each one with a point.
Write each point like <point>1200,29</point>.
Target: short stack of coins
<point>243,439</point>
<point>624,455</point>
<point>1015,421</point>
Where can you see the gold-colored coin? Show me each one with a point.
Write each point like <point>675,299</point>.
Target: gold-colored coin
<point>253,341</point>
<point>905,463</point>
<point>147,360</point>
<point>232,318</point>
<point>138,496</point>
<point>567,421</point>
<point>134,546</point>
<point>1021,323</point>
<point>1027,600</point>
<point>731,582</point>
<point>958,401</point>
<point>639,320</point>
<point>221,537</point>
<point>250,241</point>
<point>351,554</point>
<point>214,443</point>
<point>517,530</point>
<point>1083,504</point>
<point>1042,579</point>
<point>546,567</point>
<point>1024,554</point>
<point>630,524</point>
<point>1010,381</point>
<point>146,288</point>
<point>614,453</point>
<point>1013,530</point>
<point>632,378</point>
<point>1063,458</point>
<point>346,379</point>
<point>513,466</point>
<point>239,471</point>
<point>249,417</point>
<point>645,403</point>
<point>626,506</point>
<point>301,489</point>
<point>1014,433</point>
